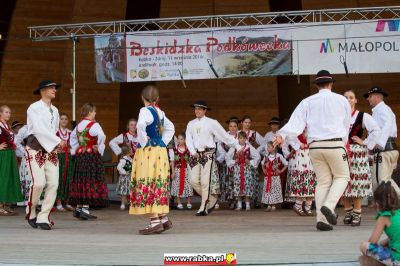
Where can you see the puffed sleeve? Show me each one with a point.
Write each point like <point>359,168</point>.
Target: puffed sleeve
<point>120,166</point>
<point>97,131</point>
<point>115,142</point>
<point>296,123</point>
<point>229,157</point>
<point>255,157</point>
<point>373,131</point>
<point>169,130</point>
<point>73,141</point>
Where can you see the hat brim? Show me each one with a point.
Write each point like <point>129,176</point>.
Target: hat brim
<point>200,106</point>
<point>319,81</point>
<point>383,93</point>
<point>16,125</point>
<point>274,122</point>
<point>37,91</point>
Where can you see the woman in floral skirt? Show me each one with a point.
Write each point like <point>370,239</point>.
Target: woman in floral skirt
<point>150,167</point>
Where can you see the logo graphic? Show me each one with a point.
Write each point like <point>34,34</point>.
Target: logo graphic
<point>230,258</point>
<point>325,46</point>
<point>393,25</point>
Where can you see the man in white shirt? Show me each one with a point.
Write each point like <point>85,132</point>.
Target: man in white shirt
<point>202,134</point>
<point>41,154</point>
<point>326,115</point>
<point>385,152</point>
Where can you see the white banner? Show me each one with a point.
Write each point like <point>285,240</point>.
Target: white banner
<point>282,49</point>
<point>366,47</point>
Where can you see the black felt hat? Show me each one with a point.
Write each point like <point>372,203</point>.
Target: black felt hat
<point>323,76</point>
<point>274,120</point>
<point>16,124</point>
<point>44,84</point>
<point>376,89</point>
<point>201,104</point>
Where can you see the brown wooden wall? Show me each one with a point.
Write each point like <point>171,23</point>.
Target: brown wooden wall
<point>26,63</point>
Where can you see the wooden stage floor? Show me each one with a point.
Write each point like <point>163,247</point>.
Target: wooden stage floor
<point>258,238</point>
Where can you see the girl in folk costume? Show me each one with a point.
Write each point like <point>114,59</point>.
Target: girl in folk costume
<point>127,138</point>
<point>360,175</point>
<point>66,165</point>
<point>150,167</point>
<point>226,172</point>
<point>10,186</point>
<point>180,186</point>
<point>88,186</point>
<point>301,176</point>
<point>256,140</point>
<point>273,165</point>
<point>244,164</point>
<point>124,168</point>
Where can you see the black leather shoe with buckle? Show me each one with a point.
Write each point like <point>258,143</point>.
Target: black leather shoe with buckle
<point>202,213</point>
<point>44,226</point>
<point>32,222</point>
<point>321,226</point>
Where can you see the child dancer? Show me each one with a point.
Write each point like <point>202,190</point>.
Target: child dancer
<point>244,164</point>
<point>124,169</point>
<point>180,187</point>
<point>273,165</point>
<point>88,185</point>
<point>387,251</point>
<point>301,176</point>
<point>66,165</point>
<point>226,173</point>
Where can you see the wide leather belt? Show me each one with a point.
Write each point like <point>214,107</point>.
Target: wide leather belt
<point>324,140</point>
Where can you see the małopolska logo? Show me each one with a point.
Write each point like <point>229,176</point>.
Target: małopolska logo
<point>392,25</point>
<point>325,46</point>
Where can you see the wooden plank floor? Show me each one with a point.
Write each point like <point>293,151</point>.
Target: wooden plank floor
<point>258,238</point>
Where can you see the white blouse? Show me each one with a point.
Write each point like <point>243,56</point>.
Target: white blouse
<point>115,142</point>
<point>145,119</point>
<point>254,155</point>
<point>95,131</point>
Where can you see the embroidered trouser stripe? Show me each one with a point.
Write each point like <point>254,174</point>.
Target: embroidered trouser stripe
<point>44,172</point>
<point>382,168</point>
<point>200,178</point>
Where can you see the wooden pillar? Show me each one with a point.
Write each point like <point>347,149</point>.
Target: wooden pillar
<point>129,101</point>
<point>291,89</point>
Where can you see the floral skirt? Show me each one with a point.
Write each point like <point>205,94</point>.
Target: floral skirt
<point>301,176</point>
<point>229,184</point>
<point>66,169</point>
<point>123,185</point>
<point>150,181</point>
<point>10,185</point>
<point>25,179</point>
<point>382,254</point>
<point>88,184</point>
<point>274,195</point>
<point>187,190</point>
<point>360,174</point>
<point>249,181</point>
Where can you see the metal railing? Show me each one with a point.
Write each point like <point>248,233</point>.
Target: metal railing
<point>89,30</point>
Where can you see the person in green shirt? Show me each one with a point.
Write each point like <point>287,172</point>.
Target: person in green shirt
<point>387,251</point>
